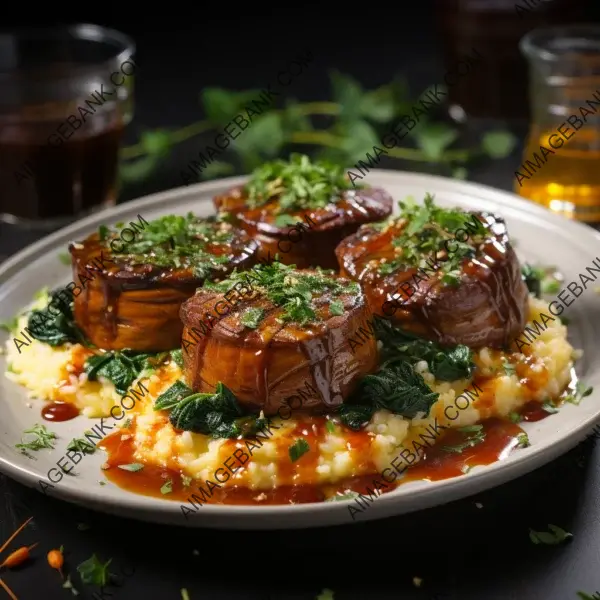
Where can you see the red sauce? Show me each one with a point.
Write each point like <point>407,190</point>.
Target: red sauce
<point>533,411</point>
<point>500,439</point>
<point>59,411</point>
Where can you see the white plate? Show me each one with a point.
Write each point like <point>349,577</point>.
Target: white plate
<point>541,235</point>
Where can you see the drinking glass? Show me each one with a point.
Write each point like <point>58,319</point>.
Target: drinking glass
<point>65,98</point>
<point>561,161</point>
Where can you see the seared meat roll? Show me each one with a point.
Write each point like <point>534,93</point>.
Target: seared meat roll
<point>133,285</point>
<point>272,331</point>
<point>300,210</point>
<point>444,274</point>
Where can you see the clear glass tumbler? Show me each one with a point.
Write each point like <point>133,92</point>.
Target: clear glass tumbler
<point>65,98</point>
<point>561,162</point>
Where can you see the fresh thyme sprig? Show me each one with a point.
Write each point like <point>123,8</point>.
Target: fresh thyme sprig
<point>356,120</point>
<point>43,439</point>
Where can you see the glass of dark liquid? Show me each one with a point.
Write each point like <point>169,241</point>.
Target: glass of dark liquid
<point>65,98</point>
<point>493,28</point>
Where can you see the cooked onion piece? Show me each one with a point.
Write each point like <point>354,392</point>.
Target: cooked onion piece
<point>132,290</point>
<point>300,210</point>
<point>271,331</point>
<point>447,275</point>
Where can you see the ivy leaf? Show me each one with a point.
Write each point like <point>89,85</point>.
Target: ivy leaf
<point>157,142</point>
<point>358,138</point>
<point>217,169</point>
<point>434,138</point>
<point>498,144</point>
<point>378,105</point>
<point>348,93</point>
<point>264,136</point>
<point>222,105</point>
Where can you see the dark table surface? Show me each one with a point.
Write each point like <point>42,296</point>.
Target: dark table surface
<point>476,548</point>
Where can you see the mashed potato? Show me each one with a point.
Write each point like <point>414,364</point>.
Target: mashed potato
<point>539,372</point>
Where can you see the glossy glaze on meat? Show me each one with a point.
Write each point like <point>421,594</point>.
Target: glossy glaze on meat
<point>321,229</point>
<point>268,365</point>
<point>128,302</point>
<point>488,307</point>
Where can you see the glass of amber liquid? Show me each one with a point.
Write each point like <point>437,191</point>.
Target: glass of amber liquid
<point>65,98</point>
<point>561,161</point>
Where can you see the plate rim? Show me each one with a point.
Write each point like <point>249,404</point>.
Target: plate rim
<point>290,516</point>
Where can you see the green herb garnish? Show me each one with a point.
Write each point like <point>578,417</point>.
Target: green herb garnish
<point>81,445</point>
<point>251,317</point>
<point>475,435</point>
<point>177,357</point>
<point>93,572</point>
<point>297,293</point>
<point>581,391</point>
<point>167,487</point>
<point>10,326</point>
<point>515,417</point>
<point>509,369</point>
<point>336,308</point>
<point>219,415</point>
<point>549,408</point>
<point>523,440</point>
<point>103,232</point>
<point>297,183</point>
<point>446,364</point>
<point>396,388</point>
<point>330,426</point>
<point>65,258</point>
<point>177,242</point>
<point>556,535</point>
<point>286,220</point>
<point>299,448</point>
<point>132,467</point>
<point>428,228</point>
<point>43,439</point>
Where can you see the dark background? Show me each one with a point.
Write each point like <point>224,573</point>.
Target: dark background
<point>460,551</point>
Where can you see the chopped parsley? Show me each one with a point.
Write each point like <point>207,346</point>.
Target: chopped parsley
<point>10,326</point>
<point>94,572</point>
<point>299,448</point>
<point>556,535</point>
<point>297,184</point>
<point>330,426</point>
<point>336,308</point>
<point>341,497</point>
<point>421,242</point>
<point>132,467</point>
<point>167,487</point>
<point>251,317</point>
<point>475,435</point>
<point>523,440</point>
<point>176,242</point>
<point>285,220</point>
<point>294,291</point>
<point>581,391</point>
<point>81,445</point>
<point>549,407</point>
<point>42,439</point>
<point>515,417</point>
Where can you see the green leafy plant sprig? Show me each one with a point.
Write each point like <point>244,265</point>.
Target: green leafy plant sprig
<point>355,120</point>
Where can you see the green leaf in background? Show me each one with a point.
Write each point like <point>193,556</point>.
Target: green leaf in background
<point>460,173</point>
<point>217,169</point>
<point>222,105</point>
<point>556,535</point>
<point>264,136</point>
<point>156,143</point>
<point>434,138</point>
<point>498,144</point>
<point>348,93</point>
<point>358,138</point>
<point>294,119</point>
<point>140,169</point>
<point>378,105</point>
